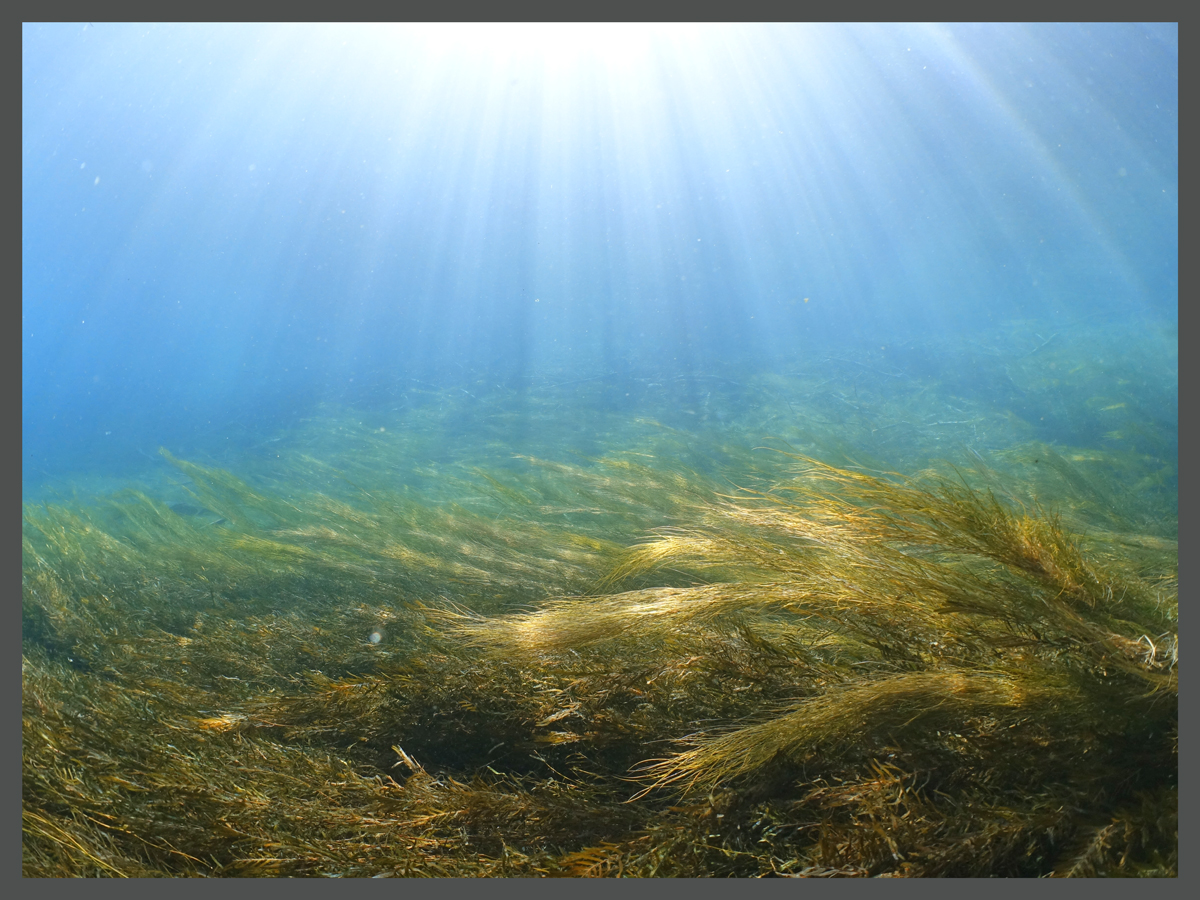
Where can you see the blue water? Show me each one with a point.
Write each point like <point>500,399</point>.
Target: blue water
<point>225,226</point>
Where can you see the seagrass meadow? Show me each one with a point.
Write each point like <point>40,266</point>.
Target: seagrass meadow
<point>829,623</point>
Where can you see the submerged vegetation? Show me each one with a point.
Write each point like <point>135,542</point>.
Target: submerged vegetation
<point>679,653</point>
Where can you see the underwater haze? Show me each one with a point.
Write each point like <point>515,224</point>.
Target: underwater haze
<point>600,450</point>
<point>226,226</point>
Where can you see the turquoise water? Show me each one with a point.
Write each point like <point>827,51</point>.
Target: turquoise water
<point>227,228</point>
<point>426,435</point>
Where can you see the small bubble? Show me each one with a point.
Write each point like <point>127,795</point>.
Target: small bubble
<point>375,637</point>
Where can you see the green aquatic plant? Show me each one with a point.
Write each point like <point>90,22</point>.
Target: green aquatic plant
<point>923,620</point>
<point>372,653</point>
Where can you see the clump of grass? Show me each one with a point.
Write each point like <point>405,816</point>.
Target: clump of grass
<point>923,620</point>
<point>835,673</point>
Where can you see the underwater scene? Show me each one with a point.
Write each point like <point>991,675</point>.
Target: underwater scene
<point>599,450</point>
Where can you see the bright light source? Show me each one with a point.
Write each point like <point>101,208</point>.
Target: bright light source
<point>559,45</point>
